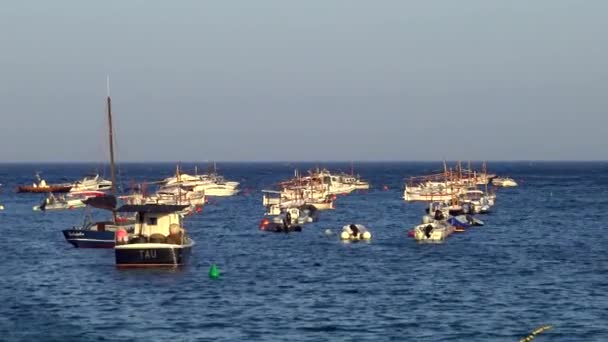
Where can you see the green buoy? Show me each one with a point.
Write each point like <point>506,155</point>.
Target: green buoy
<point>214,272</point>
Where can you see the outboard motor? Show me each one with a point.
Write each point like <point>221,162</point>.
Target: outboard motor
<point>427,230</point>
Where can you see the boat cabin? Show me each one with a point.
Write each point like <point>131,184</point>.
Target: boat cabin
<point>154,223</point>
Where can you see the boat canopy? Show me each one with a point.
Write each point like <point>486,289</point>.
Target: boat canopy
<point>151,208</point>
<point>107,202</point>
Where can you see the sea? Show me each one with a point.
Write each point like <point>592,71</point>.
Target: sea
<point>540,261</point>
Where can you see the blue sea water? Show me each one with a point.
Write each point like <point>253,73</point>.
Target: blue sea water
<point>540,260</point>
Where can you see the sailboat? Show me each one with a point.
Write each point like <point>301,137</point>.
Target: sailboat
<point>100,234</point>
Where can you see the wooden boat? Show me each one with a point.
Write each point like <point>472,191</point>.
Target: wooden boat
<point>40,186</point>
<point>158,239</point>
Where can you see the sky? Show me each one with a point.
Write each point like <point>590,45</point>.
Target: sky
<point>317,80</point>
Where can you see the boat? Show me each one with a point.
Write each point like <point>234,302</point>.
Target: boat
<point>355,232</point>
<point>355,181</point>
<point>158,239</point>
<point>59,202</point>
<point>464,221</point>
<point>504,182</point>
<point>435,226</point>
<point>432,230</point>
<point>288,219</point>
<point>477,201</point>
<point>334,184</point>
<point>40,186</point>
<point>444,186</point>
<point>100,234</point>
<point>91,183</point>
<point>212,184</point>
<point>295,196</point>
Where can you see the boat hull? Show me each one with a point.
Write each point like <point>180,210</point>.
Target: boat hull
<point>280,228</point>
<point>152,255</point>
<point>89,238</point>
<point>46,189</point>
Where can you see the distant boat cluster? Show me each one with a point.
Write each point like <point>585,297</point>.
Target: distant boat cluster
<point>454,196</point>
<point>298,199</point>
<point>146,229</point>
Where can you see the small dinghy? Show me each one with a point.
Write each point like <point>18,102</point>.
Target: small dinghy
<point>355,232</point>
<point>464,221</point>
<point>432,230</point>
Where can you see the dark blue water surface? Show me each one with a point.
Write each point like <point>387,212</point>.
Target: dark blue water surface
<point>541,259</point>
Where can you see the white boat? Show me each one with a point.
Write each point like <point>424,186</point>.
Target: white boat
<point>218,189</point>
<point>289,198</point>
<point>91,183</point>
<point>355,181</point>
<point>476,199</point>
<point>177,195</point>
<point>504,182</point>
<point>430,191</point>
<point>334,183</point>
<point>211,184</point>
<point>432,230</point>
<point>60,202</point>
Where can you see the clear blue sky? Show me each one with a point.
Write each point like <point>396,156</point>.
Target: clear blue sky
<point>305,80</point>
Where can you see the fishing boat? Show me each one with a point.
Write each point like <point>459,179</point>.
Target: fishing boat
<point>444,186</point>
<point>355,232</point>
<point>355,181</point>
<point>158,239</point>
<point>504,182</point>
<point>295,195</point>
<point>40,186</point>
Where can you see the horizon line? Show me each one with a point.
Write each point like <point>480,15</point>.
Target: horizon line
<point>310,161</point>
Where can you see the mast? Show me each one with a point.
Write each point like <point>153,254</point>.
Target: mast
<point>111,140</point>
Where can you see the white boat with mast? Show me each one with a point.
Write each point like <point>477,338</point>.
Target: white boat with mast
<point>299,191</point>
<point>101,234</point>
<point>212,184</point>
<point>443,186</point>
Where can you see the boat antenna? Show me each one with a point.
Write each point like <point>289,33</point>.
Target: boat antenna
<point>111,141</point>
<point>111,138</point>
